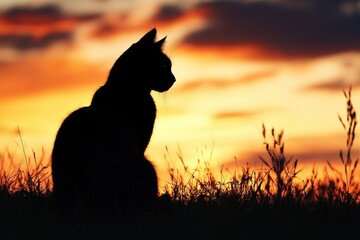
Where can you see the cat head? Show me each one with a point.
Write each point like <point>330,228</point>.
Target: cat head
<point>143,66</point>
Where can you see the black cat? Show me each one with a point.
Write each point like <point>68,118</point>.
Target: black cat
<point>98,161</point>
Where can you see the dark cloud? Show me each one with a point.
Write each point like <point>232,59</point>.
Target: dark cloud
<point>27,41</point>
<point>168,13</point>
<point>316,28</point>
<point>105,29</point>
<point>165,15</point>
<point>334,85</point>
<point>45,14</point>
<point>109,28</point>
<point>32,15</point>
<point>25,27</point>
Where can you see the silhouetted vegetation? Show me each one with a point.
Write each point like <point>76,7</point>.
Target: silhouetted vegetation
<point>272,202</point>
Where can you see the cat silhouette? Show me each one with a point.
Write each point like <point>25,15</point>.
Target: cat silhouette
<point>98,162</point>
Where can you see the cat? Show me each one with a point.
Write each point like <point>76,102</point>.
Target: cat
<point>98,162</point>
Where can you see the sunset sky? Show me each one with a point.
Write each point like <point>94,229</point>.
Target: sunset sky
<point>238,64</point>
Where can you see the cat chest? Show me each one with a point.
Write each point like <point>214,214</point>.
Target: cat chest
<point>125,124</point>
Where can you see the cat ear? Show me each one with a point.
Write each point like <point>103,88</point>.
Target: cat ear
<point>160,42</point>
<point>149,37</point>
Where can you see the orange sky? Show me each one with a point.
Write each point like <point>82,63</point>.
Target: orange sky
<point>238,64</point>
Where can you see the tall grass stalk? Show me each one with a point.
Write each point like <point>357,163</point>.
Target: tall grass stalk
<point>34,180</point>
<point>350,187</point>
<point>284,169</point>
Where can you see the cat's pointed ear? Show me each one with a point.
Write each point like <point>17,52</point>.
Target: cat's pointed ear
<point>149,37</point>
<point>160,42</point>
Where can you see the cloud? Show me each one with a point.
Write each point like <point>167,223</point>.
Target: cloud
<point>334,85</point>
<point>307,159</point>
<point>311,29</point>
<point>28,41</point>
<point>168,13</point>
<point>234,114</point>
<point>251,78</point>
<point>40,74</point>
<point>164,15</point>
<point>349,76</point>
<point>25,27</point>
<point>105,29</point>
<point>198,84</point>
<point>317,156</point>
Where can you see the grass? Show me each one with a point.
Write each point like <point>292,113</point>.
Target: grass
<point>271,203</point>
